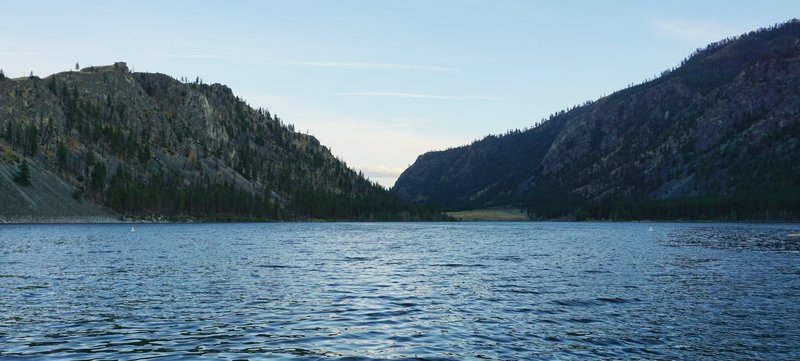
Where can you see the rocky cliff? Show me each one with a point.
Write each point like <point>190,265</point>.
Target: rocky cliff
<point>716,137</point>
<point>142,144</point>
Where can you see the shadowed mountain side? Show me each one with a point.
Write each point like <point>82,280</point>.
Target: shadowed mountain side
<point>716,137</point>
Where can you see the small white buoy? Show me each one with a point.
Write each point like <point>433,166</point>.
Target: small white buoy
<point>651,228</point>
<point>133,229</point>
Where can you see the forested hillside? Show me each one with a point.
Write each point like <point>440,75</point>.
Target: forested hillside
<point>714,138</point>
<point>146,144</point>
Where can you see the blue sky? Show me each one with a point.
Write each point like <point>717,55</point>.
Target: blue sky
<point>382,81</point>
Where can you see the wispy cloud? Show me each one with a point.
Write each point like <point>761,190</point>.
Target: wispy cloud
<point>381,171</point>
<point>19,53</point>
<point>693,31</point>
<point>191,56</point>
<point>416,95</point>
<point>393,145</point>
<point>376,66</point>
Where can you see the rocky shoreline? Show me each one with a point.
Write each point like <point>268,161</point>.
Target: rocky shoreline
<point>58,220</point>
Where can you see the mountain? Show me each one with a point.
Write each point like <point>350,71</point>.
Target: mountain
<point>715,138</point>
<point>107,142</point>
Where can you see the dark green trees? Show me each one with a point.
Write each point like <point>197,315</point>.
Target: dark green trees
<point>98,176</point>
<point>61,155</point>
<point>136,143</point>
<point>23,176</point>
<point>707,140</point>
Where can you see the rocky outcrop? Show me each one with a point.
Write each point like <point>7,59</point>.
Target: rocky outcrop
<point>118,67</point>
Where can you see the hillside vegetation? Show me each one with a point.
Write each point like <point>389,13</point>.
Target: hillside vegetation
<point>715,138</point>
<point>146,144</point>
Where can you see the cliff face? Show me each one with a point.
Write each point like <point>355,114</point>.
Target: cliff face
<point>724,124</point>
<point>148,144</point>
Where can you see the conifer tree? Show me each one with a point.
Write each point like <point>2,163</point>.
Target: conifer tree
<point>23,176</point>
<point>98,177</point>
<point>61,155</point>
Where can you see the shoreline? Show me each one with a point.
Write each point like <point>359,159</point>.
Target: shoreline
<point>27,220</point>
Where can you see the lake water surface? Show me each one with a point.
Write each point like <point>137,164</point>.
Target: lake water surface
<point>401,291</point>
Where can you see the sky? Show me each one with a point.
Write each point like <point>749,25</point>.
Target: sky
<point>382,81</point>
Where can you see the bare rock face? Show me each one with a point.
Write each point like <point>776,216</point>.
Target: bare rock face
<point>724,124</point>
<point>49,199</point>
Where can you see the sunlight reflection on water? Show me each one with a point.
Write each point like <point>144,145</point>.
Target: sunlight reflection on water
<point>434,291</point>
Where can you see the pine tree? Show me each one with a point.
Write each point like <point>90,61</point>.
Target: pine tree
<point>61,155</point>
<point>32,140</point>
<point>23,176</point>
<point>9,135</point>
<point>98,176</point>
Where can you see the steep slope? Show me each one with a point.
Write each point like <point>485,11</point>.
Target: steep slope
<point>48,199</point>
<point>716,137</point>
<point>147,144</point>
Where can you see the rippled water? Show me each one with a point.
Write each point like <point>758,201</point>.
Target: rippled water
<point>414,290</point>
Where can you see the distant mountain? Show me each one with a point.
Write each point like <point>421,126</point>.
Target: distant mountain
<point>148,145</point>
<point>716,138</point>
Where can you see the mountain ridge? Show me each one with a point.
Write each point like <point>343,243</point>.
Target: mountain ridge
<point>719,130</point>
<point>149,145</point>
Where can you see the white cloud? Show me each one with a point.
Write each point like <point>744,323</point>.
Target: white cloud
<point>692,31</point>
<point>382,171</point>
<point>378,66</point>
<point>416,95</point>
<point>381,150</point>
<point>19,53</point>
<point>191,56</point>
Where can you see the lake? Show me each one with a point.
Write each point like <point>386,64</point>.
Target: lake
<point>439,291</point>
